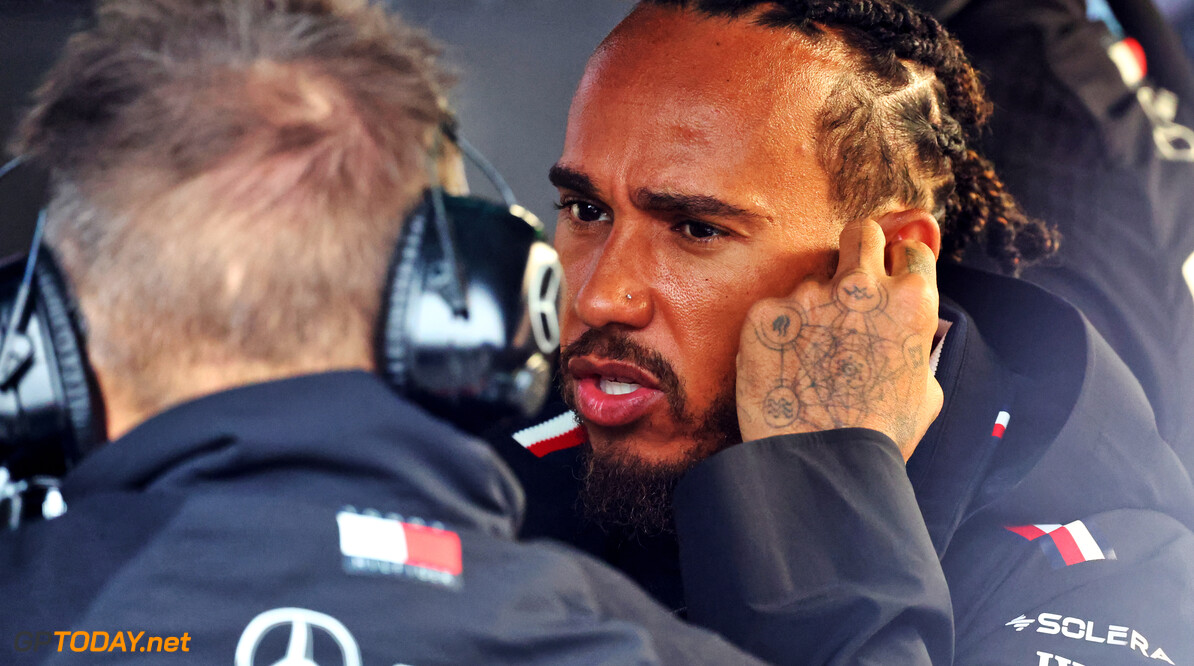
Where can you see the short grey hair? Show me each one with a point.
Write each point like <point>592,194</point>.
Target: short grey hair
<point>229,177</point>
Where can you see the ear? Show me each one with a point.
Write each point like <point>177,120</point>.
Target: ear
<point>912,224</point>
<point>450,169</point>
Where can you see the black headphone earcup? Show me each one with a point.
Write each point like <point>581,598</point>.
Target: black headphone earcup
<point>495,362</point>
<point>393,344</point>
<point>51,414</point>
<point>64,327</point>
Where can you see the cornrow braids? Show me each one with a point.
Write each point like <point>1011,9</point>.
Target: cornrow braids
<point>902,125</point>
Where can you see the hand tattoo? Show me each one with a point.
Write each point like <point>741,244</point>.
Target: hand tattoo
<point>838,364</point>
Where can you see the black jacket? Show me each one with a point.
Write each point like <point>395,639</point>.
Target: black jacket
<point>1079,450</point>
<point>321,501</point>
<point>1080,149</point>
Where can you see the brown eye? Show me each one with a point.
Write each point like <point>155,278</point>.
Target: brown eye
<point>586,212</point>
<point>699,230</point>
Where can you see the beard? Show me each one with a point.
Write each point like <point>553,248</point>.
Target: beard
<point>618,489</point>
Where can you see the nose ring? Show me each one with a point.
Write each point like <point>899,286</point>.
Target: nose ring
<point>628,297</point>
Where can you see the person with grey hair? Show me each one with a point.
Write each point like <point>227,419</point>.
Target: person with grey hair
<point>229,183</point>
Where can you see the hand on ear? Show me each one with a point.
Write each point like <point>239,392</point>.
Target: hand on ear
<point>851,351</point>
<point>914,225</point>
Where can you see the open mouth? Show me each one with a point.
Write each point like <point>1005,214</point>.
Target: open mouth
<point>617,386</point>
<point>613,393</point>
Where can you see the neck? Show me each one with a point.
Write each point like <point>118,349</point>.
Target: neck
<point>129,403</point>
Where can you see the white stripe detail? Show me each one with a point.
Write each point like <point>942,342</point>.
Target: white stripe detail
<point>1047,528</point>
<point>1125,60</point>
<point>938,344</point>
<point>531,436</point>
<point>1086,543</point>
<point>1003,419</point>
<point>372,537</point>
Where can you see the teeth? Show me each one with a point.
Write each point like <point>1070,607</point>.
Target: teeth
<point>611,387</point>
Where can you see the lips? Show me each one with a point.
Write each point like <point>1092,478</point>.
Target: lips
<point>613,393</point>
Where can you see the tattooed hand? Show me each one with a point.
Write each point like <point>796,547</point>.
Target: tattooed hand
<point>852,352</point>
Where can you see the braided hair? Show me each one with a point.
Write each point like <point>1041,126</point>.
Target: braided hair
<point>902,125</point>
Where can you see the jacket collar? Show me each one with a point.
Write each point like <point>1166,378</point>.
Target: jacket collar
<point>1081,438</point>
<point>948,463</point>
<point>338,436</point>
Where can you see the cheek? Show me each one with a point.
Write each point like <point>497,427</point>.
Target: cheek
<point>577,260</point>
<point>706,313</point>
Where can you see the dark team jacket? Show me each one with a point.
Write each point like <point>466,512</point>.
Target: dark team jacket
<point>318,515</point>
<point>1085,151</point>
<point>1061,520</point>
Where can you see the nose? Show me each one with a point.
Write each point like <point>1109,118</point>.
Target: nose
<point>616,291</point>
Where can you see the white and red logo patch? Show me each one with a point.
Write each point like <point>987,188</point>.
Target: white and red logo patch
<point>371,543</point>
<point>1067,545</point>
<point>562,432</point>
<point>1001,421</point>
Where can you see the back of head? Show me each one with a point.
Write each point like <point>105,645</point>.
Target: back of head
<point>229,178</point>
<point>900,125</point>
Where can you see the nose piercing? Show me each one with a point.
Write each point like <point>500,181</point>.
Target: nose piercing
<point>628,297</point>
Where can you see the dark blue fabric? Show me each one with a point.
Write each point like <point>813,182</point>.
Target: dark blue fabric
<point>1081,445</point>
<point>224,508</point>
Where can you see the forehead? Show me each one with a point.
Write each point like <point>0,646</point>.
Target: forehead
<point>677,101</point>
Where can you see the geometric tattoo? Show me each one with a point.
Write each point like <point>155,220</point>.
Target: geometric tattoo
<point>833,374</point>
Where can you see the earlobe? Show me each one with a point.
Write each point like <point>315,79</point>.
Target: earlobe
<point>912,224</point>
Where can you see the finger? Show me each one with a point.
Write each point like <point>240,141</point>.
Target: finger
<point>911,256</point>
<point>862,244</point>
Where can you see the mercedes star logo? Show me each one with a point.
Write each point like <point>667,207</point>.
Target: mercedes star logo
<point>300,649</point>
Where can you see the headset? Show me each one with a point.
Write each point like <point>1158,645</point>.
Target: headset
<point>468,329</point>
<point>469,324</point>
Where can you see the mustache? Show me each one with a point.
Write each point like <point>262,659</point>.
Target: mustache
<point>616,346</point>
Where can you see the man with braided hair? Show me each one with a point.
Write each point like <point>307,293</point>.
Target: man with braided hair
<point>753,195</point>
<point>230,179</point>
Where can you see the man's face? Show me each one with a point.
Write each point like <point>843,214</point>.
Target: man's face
<point>690,188</point>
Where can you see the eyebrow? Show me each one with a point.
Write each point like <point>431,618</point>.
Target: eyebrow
<point>568,178</point>
<point>695,205</point>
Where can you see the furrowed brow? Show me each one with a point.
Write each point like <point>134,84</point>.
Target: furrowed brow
<point>696,205</point>
<point>567,178</point>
